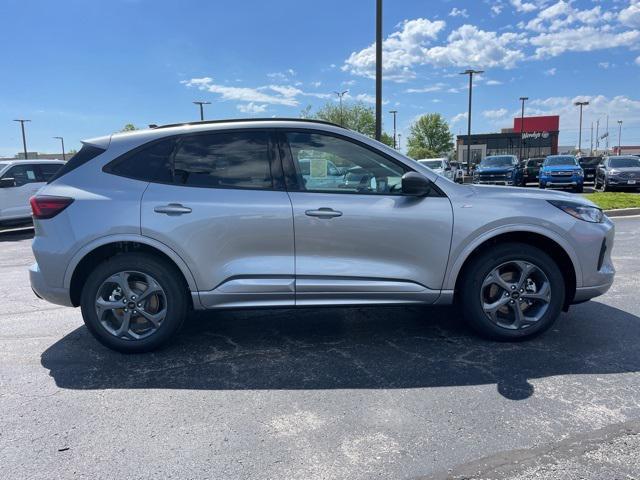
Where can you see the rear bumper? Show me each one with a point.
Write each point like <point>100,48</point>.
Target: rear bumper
<point>585,293</point>
<point>59,296</point>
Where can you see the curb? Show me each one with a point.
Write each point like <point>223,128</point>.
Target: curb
<point>622,212</point>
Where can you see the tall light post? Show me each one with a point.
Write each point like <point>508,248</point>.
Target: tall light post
<point>24,138</point>
<point>394,113</point>
<point>378,69</point>
<point>470,73</point>
<point>399,141</point>
<point>340,95</point>
<point>64,158</point>
<point>581,104</point>
<point>522,99</point>
<point>200,104</point>
<point>619,137</point>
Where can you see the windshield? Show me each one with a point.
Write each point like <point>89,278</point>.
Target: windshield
<point>556,161</point>
<point>431,163</point>
<point>497,162</point>
<point>590,161</point>
<point>625,162</point>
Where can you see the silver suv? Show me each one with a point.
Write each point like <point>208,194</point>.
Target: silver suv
<point>140,228</point>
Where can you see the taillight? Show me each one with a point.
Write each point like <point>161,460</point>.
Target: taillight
<point>43,206</point>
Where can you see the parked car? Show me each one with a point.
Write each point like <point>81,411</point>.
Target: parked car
<point>459,171</point>
<point>589,166</point>
<point>440,166</point>
<point>19,180</point>
<point>562,171</point>
<point>139,228</point>
<point>499,170</point>
<point>618,172</point>
<point>531,169</point>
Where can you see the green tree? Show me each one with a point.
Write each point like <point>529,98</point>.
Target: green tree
<point>129,127</point>
<point>429,136</point>
<point>354,116</point>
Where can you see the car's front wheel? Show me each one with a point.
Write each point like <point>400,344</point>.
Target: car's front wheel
<point>511,291</point>
<point>134,303</point>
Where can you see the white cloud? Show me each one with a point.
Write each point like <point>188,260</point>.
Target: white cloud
<point>402,50</point>
<point>563,14</point>
<point>630,16</point>
<point>582,39</point>
<point>316,84</point>
<point>430,88</point>
<point>470,46</point>
<point>638,61</point>
<point>459,117</point>
<point>524,7</point>
<point>496,9</point>
<point>252,108</point>
<point>243,94</point>
<point>495,114</point>
<point>494,82</point>
<point>551,72</point>
<point>604,65</point>
<point>457,12</point>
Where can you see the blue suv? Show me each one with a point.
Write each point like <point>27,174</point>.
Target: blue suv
<point>562,171</point>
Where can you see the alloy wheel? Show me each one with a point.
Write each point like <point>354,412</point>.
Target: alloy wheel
<point>515,294</point>
<point>131,305</point>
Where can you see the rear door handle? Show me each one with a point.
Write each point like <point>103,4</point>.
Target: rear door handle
<point>172,209</point>
<point>323,213</point>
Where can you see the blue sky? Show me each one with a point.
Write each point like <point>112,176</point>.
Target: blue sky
<point>85,68</point>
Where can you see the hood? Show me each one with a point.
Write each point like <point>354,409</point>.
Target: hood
<point>507,193</point>
<point>561,168</point>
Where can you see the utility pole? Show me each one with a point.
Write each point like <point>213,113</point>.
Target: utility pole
<point>580,104</point>
<point>607,143</point>
<point>200,104</point>
<point>591,149</point>
<point>597,136</point>
<point>64,158</point>
<point>619,137</point>
<point>399,141</point>
<point>470,73</point>
<point>340,95</point>
<point>522,99</point>
<point>24,138</point>
<point>378,69</point>
<point>394,113</point>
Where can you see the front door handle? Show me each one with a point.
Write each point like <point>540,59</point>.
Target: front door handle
<point>323,213</point>
<point>172,209</point>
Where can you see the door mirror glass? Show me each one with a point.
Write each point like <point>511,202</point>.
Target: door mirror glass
<point>415,184</point>
<point>7,182</point>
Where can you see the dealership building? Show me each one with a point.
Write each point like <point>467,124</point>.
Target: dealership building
<point>533,137</point>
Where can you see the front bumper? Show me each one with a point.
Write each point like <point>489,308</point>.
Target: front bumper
<point>492,182</point>
<point>59,296</point>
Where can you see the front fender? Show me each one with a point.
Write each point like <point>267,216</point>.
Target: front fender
<point>457,263</point>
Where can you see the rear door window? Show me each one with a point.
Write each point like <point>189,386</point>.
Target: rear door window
<point>224,160</point>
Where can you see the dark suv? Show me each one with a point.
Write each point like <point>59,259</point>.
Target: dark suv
<point>589,166</point>
<point>499,170</point>
<point>531,169</point>
<point>618,172</point>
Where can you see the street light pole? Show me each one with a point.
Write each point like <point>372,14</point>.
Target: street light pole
<point>522,99</point>
<point>340,95</point>
<point>200,104</point>
<point>581,104</point>
<point>399,141</point>
<point>470,73</point>
<point>394,113</point>
<point>378,69</point>
<point>64,158</point>
<point>24,138</point>
<point>619,136</point>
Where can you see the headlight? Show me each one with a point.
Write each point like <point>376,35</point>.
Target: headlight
<point>580,173</point>
<point>614,172</point>
<point>582,212</point>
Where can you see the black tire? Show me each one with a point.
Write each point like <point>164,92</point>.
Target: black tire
<point>470,288</point>
<point>579,189</point>
<point>605,186</point>
<point>167,276</point>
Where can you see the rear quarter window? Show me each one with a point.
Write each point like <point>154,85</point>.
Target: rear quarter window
<point>86,154</point>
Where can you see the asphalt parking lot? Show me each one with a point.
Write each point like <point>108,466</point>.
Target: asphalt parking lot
<point>322,393</point>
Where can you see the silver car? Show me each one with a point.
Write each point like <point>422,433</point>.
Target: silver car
<point>140,228</point>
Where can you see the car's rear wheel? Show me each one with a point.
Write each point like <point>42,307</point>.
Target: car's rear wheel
<point>511,291</point>
<point>134,303</point>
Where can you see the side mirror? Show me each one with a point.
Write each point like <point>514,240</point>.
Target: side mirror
<point>415,184</point>
<point>448,168</point>
<point>7,182</point>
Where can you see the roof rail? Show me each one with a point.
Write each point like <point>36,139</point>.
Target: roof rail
<point>233,120</point>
